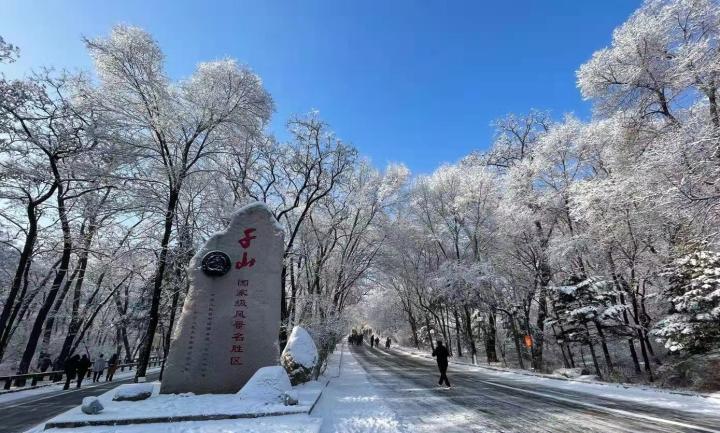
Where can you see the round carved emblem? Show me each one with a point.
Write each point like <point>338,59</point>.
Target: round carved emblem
<point>216,264</point>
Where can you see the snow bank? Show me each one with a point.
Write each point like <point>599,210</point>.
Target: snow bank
<point>133,392</point>
<point>300,356</point>
<point>268,384</point>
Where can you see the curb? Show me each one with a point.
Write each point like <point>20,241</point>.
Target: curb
<point>166,419</point>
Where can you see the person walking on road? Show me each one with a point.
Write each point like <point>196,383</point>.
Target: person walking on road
<point>377,341</point>
<point>387,343</point>
<point>112,366</point>
<point>98,367</point>
<point>82,369</point>
<point>372,341</point>
<point>442,354</point>
<point>70,367</point>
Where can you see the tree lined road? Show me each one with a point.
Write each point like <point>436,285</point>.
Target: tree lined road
<point>483,402</point>
<point>20,415</point>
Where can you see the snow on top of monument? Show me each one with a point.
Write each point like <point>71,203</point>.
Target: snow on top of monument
<point>258,205</point>
<point>161,406</point>
<point>301,347</point>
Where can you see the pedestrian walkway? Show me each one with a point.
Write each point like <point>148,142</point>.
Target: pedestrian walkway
<point>351,404</point>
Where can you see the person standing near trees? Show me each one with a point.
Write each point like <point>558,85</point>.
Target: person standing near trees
<point>82,368</point>
<point>112,366</point>
<point>372,340</point>
<point>98,367</point>
<point>70,367</point>
<point>442,354</point>
<point>387,343</point>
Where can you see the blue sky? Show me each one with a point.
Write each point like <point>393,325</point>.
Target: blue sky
<point>417,82</point>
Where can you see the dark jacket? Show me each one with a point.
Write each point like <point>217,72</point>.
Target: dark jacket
<point>113,360</point>
<point>83,364</point>
<point>71,366</point>
<point>441,353</point>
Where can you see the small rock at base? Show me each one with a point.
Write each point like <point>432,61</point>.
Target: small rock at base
<point>290,398</point>
<point>91,406</point>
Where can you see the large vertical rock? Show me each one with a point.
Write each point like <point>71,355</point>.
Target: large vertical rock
<point>231,318</point>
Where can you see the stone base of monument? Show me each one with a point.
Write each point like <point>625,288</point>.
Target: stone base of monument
<point>174,408</point>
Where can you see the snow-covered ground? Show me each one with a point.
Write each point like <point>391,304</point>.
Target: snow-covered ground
<point>350,403</point>
<point>189,407</point>
<point>8,397</point>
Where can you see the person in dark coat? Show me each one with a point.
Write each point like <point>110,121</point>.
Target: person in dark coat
<point>70,367</point>
<point>442,354</point>
<point>44,362</point>
<point>372,341</point>
<point>82,369</point>
<point>387,343</point>
<point>377,341</point>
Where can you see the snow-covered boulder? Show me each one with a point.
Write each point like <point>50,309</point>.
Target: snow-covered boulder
<point>571,373</point>
<point>91,406</point>
<point>269,384</point>
<point>300,356</point>
<point>133,392</point>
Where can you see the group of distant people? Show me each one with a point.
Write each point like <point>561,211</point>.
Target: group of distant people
<point>375,341</point>
<point>78,367</point>
<point>357,338</point>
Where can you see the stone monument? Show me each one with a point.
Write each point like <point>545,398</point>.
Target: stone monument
<point>230,321</point>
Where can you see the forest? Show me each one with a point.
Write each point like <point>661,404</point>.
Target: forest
<point>564,242</point>
<point>579,243</point>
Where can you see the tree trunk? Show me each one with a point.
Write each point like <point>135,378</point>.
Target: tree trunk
<point>153,314</point>
<point>457,332</point>
<point>490,337</point>
<point>23,263</point>
<point>603,344</point>
<point>470,336</point>
<point>34,335</point>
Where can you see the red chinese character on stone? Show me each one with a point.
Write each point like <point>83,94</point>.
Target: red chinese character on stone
<point>239,324</point>
<point>236,349</point>
<point>241,292</point>
<point>235,360</point>
<point>243,283</point>
<point>240,303</point>
<point>245,242</point>
<point>240,313</point>
<point>238,336</point>
<point>245,262</point>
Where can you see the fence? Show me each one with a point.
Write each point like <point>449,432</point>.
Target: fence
<point>21,380</point>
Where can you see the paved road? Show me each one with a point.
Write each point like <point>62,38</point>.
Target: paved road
<point>20,415</point>
<point>484,402</point>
